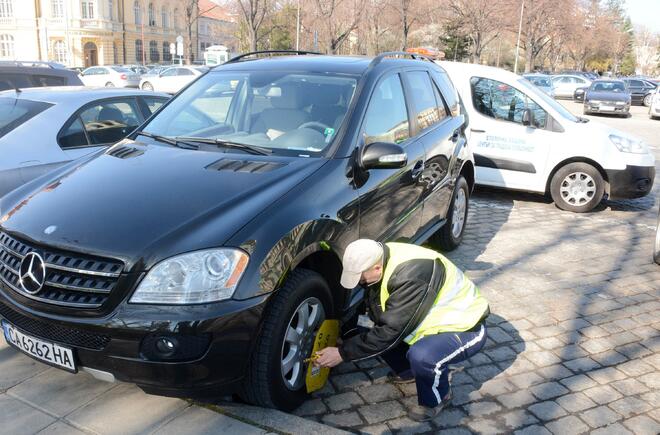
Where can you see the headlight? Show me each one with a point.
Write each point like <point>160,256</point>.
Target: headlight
<point>626,145</point>
<point>193,278</point>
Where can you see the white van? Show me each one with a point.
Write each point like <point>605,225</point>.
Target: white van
<point>522,139</point>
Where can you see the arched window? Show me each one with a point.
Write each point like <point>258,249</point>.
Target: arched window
<point>154,56</point>
<point>163,17</point>
<point>152,16</point>
<point>6,46</point>
<point>111,10</point>
<point>167,56</point>
<point>137,12</point>
<point>57,8</point>
<point>138,50</point>
<point>87,9</point>
<point>175,18</point>
<point>59,48</point>
<point>6,8</point>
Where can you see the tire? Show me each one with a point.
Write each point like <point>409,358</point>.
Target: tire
<point>265,384</point>
<point>109,85</point>
<point>656,246</point>
<point>577,187</point>
<point>451,234</point>
<point>146,86</point>
<point>647,100</point>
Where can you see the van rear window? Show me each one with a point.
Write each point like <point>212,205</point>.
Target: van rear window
<point>15,111</point>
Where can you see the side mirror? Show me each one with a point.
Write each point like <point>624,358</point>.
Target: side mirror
<point>383,155</point>
<point>527,117</point>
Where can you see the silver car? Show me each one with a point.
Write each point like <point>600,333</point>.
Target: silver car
<point>43,128</point>
<point>173,79</point>
<point>110,77</point>
<point>565,85</point>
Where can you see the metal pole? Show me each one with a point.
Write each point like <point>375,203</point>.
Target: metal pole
<point>522,8</point>
<point>298,28</point>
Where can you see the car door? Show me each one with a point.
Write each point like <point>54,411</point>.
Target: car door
<point>391,200</point>
<point>637,90</point>
<point>167,80</point>
<point>564,86</point>
<point>99,124</point>
<point>439,134</point>
<point>506,152</point>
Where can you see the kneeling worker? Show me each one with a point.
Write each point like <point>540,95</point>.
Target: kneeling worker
<point>426,312</point>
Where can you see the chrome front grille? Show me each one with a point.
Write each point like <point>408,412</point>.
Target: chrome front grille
<point>71,279</point>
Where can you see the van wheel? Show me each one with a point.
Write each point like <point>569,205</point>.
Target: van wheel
<point>451,234</point>
<point>276,372</point>
<point>577,187</point>
<point>109,85</point>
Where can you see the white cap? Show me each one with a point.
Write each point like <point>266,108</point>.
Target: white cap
<point>359,256</point>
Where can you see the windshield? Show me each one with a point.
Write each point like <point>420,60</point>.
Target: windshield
<point>287,112</point>
<point>608,87</point>
<point>14,112</point>
<point>540,81</point>
<point>549,101</point>
<point>121,70</point>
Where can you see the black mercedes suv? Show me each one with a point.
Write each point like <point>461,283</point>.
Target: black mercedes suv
<point>200,255</point>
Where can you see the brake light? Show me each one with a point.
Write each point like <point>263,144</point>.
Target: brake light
<point>123,76</point>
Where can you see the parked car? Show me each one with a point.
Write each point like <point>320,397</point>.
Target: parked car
<point>641,90</point>
<point>607,96</point>
<point>137,69</point>
<point>172,79</point>
<point>44,128</point>
<point>565,85</point>
<point>541,81</point>
<point>524,140</point>
<point>654,108</point>
<point>578,94</point>
<point>201,254</point>
<point>110,77</point>
<point>32,63</point>
<point>21,77</point>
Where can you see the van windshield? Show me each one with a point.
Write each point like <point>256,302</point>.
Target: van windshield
<point>15,111</point>
<point>287,112</point>
<point>548,100</point>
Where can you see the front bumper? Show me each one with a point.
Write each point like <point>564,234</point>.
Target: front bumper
<point>217,338</point>
<point>607,108</point>
<point>632,182</point>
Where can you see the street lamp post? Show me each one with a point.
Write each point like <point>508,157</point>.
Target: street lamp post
<point>522,8</point>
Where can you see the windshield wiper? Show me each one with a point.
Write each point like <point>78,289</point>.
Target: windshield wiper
<point>229,144</point>
<point>168,140</point>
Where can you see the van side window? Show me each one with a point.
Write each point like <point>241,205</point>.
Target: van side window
<point>503,102</point>
<point>425,105</point>
<point>387,118</point>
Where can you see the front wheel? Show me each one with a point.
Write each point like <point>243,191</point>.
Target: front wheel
<point>451,234</point>
<point>656,249</point>
<point>147,86</point>
<point>647,100</point>
<point>577,187</point>
<point>276,372</point>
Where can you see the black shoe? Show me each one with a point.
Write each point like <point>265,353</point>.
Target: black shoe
<point>396,379</point>
<point>423,413</point>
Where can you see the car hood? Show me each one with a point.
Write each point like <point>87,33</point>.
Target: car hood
<point>608,96</point>
<point>142,203</point>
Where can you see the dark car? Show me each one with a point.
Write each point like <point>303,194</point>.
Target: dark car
<point>19,77</point>
<point>607,96</point>
<point>200,255</point>
<point>640,90</point>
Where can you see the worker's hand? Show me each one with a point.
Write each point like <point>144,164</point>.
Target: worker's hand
<point>328,357</point>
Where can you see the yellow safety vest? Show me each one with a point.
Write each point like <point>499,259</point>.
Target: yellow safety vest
<point>459,304</point>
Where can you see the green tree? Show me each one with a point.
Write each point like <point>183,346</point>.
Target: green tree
<point>455,45</point>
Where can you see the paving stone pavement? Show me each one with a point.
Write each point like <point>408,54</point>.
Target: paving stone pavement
<point>574,342</point>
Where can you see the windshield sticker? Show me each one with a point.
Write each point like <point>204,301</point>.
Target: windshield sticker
<point>328,133</point>
<point>505,143</point>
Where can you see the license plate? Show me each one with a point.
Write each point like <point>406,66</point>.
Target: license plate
<point>607,108</point>
<point>48,352</point>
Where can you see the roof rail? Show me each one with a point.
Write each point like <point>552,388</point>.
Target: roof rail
<point>415,56</point>
<point>254,53</point>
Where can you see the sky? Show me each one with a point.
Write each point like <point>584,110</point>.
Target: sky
<point>645,13</point>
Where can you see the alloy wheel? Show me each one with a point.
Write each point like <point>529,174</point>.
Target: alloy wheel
<point>458,214</point>
<point>299,341</point>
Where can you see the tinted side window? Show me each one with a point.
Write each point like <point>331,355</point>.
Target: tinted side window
<point>48,81</point>
<point>503,102</point>
<point>105,123</point>
<point>184,72</point>
<point>425,105</point>
<point>170,72</point>
<point>14,112</point>
<point>13,81</point>
<point>73,136</point>
<point>448,92</point>
<point>386,119</point>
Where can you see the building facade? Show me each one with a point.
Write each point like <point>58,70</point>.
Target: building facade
<point>216,26</point>
<point>92,32</point>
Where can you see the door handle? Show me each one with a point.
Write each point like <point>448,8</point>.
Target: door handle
<point>417,169</point>
<point>474,130</point>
